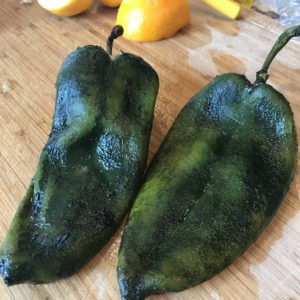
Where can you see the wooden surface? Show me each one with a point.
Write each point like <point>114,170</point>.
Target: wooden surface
<point>34,43</point>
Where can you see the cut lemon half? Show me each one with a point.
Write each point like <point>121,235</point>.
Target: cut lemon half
<point>66,7</point>
<point>152,20</point>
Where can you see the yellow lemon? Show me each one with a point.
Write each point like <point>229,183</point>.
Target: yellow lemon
<point>229,8</point>
<point>65,7</point>
<point>111,3</point>
<point>152,20</point>
<point>248,3</point>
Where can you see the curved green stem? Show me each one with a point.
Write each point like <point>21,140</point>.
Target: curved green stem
<point>262,75</point>
<point>116,32</point>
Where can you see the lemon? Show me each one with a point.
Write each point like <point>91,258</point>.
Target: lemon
<point>65,7</point>
<point>152,20</point>
<point>248,3</point>
<point>229,8</point>
<point>111,3</point>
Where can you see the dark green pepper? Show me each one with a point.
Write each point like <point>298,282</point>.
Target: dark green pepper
<point>90,169</point>
<point>215,183</point>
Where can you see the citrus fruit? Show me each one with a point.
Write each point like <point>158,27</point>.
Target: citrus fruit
<point>229,8</point>
<point>65,7</point>
<point>111,3</point>
<point>152,20</point>
<point>248,3</point>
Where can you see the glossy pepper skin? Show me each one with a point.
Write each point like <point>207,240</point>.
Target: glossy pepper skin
<point>90,169</point>
<point>215,183</point>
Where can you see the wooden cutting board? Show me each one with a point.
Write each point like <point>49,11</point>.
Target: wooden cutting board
<point>34,43</point>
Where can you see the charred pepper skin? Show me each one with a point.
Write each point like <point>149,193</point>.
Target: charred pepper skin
<point>90,169</point>
<point>215,183</point>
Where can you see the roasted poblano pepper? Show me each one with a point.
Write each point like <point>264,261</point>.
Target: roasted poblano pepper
<point>90,169</point>
<point>215,183</point>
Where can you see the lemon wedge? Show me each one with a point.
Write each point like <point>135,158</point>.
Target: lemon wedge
<point>152,20</point>
<point>66,7</point>
<point>229,8</point>
<point>247,3</point>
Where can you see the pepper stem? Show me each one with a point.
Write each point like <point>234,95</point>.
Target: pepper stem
<point>116,32</point>
<point>262,76</point>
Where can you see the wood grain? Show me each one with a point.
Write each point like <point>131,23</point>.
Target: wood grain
<point>34,43</point>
